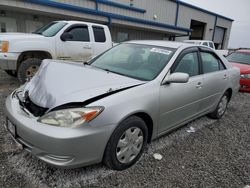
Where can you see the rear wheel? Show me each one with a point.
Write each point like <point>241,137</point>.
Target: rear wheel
<point>11,73</point>
<point>28,68</point>
<point>221,107</point>
<point>126,144</point>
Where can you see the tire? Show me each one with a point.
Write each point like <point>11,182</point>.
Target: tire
<point>115,156</point>
<point>11,73</point>
<point>28,68</point>
<point>221,107</point>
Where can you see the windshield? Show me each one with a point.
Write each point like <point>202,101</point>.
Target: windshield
<point>50,29</point>
<point>239,57</point>
<point>142,62</point>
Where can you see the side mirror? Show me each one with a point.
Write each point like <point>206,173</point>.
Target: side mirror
<point>177,77</point>
<point>66,36</point>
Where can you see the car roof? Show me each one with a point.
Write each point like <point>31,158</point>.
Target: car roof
<point>162,43</point>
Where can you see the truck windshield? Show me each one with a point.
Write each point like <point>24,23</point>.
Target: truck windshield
<point>143,62</point>
<point>50,29</point>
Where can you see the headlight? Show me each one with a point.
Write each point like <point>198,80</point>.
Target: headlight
<point>4,46</point>
<point>245,75</point>
<point>72,117</point>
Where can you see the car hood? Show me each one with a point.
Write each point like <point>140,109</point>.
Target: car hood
<point>15,36</point>
<point>57,83</point>
<point>243,67</point>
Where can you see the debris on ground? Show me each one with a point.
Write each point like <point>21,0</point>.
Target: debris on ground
<point>157,156</point>
<point>191,130</point>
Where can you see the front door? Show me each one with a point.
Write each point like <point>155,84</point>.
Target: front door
<point>181,101</point>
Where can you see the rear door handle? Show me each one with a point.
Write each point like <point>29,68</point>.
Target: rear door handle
<point>199,85</point>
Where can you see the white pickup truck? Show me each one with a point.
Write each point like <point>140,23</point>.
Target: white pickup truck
<point>209,44</point>
<point>22,53</point>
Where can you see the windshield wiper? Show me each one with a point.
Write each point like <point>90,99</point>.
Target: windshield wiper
<point>115,72</point>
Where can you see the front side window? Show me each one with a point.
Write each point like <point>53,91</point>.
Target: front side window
<point>210,63</point>
<point>79,33</point>
<point>188,64</point>
<point>50,29</point>
<point>142,62</point>
<point>99,34</point>
<point>239,57</point>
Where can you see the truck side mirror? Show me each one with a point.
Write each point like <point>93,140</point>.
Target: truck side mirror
<point>66,36</point>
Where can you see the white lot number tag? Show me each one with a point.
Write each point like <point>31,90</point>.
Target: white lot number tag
<point>161,51</point>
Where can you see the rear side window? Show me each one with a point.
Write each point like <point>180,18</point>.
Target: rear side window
<point>211,63</point>
<point>79,33</point>
<point>211,45</point>
<point>99,34</point>
<point>205,43</point>
<point>188,64</point>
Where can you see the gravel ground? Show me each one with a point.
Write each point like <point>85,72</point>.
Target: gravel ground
<point>204,153</point>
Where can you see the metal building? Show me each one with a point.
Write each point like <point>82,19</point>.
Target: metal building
<point>127,19</point>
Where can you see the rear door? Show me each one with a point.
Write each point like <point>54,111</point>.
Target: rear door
<point>215,78</point>
<point>79,47</point>
<point>181,101</point>
<point>102,39</point>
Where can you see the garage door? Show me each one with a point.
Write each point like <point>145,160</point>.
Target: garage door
<point>219,34</point>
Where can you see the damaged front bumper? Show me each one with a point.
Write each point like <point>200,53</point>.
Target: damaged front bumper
<point>58,146</point>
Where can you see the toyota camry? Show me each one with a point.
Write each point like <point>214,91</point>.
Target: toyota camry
<point>108,109</point>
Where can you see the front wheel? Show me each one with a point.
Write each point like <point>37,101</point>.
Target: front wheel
<point>28,68</point>
<point>126,144</point>
<point>221,107</point>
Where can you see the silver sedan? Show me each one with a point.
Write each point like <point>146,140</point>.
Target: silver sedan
<point>108,109</point>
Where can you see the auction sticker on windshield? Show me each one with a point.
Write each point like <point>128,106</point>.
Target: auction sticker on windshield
<point>162,51</point>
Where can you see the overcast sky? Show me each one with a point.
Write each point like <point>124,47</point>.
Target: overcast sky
<point>239,10</point>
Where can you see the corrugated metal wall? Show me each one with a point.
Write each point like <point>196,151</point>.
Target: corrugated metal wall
<point>136,34</point>
<point>160,11</point>
<point>186,14</point>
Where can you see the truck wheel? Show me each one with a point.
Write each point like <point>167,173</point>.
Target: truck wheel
<point>126,144</point>
<point>28,68</point>
<point>11,73</point>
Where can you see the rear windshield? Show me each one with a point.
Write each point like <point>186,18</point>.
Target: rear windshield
<point>239,57</point>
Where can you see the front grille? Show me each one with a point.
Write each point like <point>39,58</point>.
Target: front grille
<point>32,107</point>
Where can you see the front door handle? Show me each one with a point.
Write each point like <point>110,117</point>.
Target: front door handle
<point>199,85</point>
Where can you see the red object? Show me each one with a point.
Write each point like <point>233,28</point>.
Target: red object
<point>244,69</point>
